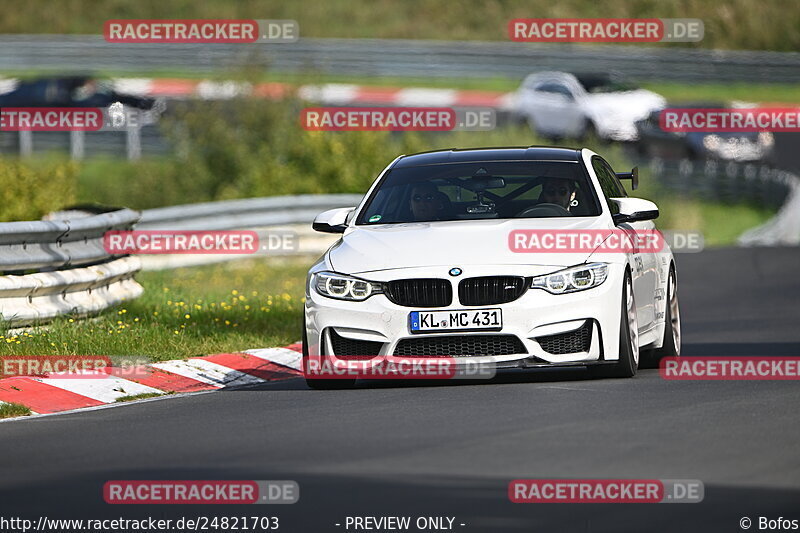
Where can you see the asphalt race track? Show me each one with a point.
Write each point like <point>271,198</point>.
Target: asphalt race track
<point>451,449</point>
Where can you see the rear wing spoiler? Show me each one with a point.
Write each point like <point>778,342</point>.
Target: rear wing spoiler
<point>633,175</point>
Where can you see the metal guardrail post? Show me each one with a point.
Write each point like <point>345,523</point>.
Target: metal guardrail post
<point>76,144</point>
<point>133,137</point>
<point>25,143</point>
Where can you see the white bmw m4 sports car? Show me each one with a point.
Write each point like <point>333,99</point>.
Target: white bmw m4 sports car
<point>513,257</point>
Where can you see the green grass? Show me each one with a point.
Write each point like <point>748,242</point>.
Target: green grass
<point>11,410</point>
<point>134,397</point>
<point>721,224</point>
<point>716,92</point>
<point>734,24</point>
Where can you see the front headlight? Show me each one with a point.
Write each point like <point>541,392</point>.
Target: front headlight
<point>712,142</point>
<point>572,279</point>
<point>344,287</point>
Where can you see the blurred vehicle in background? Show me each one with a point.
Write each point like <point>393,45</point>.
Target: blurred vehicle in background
<point>726,146</point>
<point>68,91</point>
<point>560,104</point>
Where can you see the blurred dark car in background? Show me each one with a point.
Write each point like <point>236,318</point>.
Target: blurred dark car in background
<point>723,146</point>
<point>68,91</point>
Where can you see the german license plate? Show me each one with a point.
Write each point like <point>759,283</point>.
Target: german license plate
<point>456,320</point>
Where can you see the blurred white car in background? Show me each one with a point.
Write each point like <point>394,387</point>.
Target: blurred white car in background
<point>560,104</point>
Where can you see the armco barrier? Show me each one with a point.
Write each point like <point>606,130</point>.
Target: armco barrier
<point>784,228</point>
<point>723,181</point>
<point>247,213</point>
<point>264,215</point>
<point>400,57</point>
<point>50,244</point>
<point>58,267</point>
<point>40,297</point>
<point>736,183</point>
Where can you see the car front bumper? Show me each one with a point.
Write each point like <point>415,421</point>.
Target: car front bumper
<point>540,320</point>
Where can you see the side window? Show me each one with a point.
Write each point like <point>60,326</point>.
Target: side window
<point>609,182</point>
<point>556,88</point>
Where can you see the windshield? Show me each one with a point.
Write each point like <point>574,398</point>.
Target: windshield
<point>605,84</point>
<point>481,190</point>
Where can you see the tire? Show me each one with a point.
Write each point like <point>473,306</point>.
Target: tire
<point>672,328</point>
<point>322,384</point>
<point>628,339</point>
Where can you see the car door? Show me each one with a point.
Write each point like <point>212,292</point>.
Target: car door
<point>644,264</point>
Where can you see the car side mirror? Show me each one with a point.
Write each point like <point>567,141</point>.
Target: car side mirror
<point>633,175</point>
<point>332,220</point>
<point>634,210</point>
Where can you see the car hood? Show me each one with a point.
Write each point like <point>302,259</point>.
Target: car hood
<point>630,105</point>
<point>463,243</point>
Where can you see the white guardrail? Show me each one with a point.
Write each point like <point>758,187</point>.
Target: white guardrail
<point>784,228</point>
<point>400,58</point>
<point>60,267</point>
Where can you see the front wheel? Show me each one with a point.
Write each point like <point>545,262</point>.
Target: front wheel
<point>672,327</point>
<point>628,361</point>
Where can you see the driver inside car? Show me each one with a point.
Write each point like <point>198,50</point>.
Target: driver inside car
<point>428,203</point>
<point>558,191</point>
